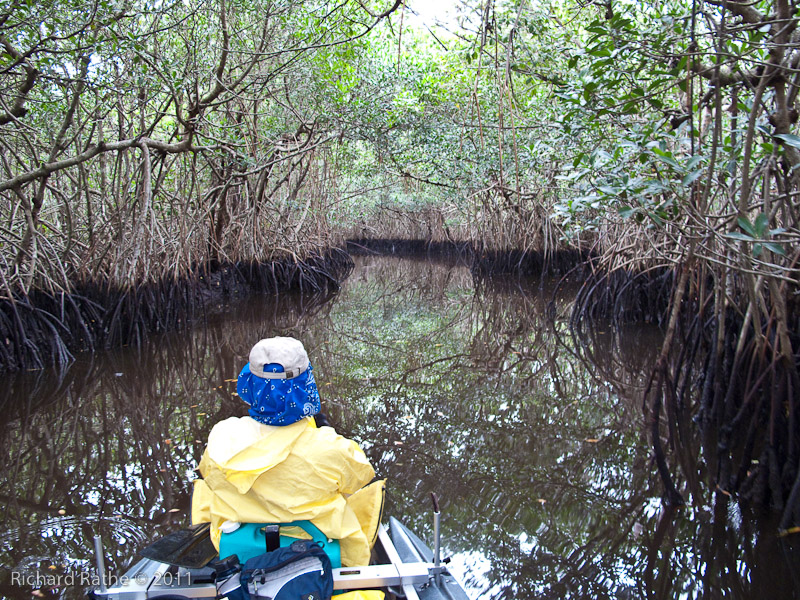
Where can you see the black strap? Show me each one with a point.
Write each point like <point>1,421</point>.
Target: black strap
<point>272,533</point>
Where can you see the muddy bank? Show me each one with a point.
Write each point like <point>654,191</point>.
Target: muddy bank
<point>481,261</point>
<point>45,329</point>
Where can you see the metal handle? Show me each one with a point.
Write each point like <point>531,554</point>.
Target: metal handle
<point>101,565</point>
<point>436,532</point>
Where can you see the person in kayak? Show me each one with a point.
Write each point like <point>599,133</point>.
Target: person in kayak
<point>277,466</point>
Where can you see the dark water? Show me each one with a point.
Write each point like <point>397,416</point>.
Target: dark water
<point>532,439</point>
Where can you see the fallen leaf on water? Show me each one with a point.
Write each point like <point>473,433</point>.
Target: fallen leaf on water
<point>789,531</point>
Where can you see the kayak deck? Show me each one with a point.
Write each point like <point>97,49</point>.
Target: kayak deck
<point>405,570</point>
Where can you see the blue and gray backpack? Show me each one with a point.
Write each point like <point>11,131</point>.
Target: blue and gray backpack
<point>301,571</point>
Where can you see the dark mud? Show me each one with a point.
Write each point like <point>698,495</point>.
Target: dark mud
<point>45,329</point>
<point>482,262</point>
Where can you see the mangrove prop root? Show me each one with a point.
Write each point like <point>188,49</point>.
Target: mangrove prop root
<point>42,329</point>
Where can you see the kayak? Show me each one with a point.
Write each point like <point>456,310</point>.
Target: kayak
<point>404,567</point>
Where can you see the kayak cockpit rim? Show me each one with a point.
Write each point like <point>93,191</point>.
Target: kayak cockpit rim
<point>148,578</point>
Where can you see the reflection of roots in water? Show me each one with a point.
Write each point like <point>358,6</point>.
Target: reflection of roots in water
<point>727,396</point>
<point>126,529</point>
<point>497,424</point>
<point>58,549</point>
<point>417,276</point>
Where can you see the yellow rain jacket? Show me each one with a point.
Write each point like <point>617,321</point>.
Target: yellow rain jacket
<point>256,473</point>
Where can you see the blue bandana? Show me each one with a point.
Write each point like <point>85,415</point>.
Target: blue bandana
<point>279,401</point>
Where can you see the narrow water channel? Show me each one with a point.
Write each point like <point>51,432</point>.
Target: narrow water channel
<point>533,441</point>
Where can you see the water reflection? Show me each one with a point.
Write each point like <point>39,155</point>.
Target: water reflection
<point>530,433</point>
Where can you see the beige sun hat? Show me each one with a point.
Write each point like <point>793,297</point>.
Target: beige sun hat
<point>285,351</point>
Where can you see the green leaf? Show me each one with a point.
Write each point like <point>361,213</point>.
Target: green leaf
<point>691,177</point>
<point>599,51</point>
<point>739,236</point>
<point>680,68</point>
<point>693,161</point>
<point>789,139</point>
<point>776,248</point>
<point>666,157</point>
<point>761,224</point>
<point>747,226</point>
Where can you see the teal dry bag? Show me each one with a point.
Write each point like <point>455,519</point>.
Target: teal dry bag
<point>253,539</point>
